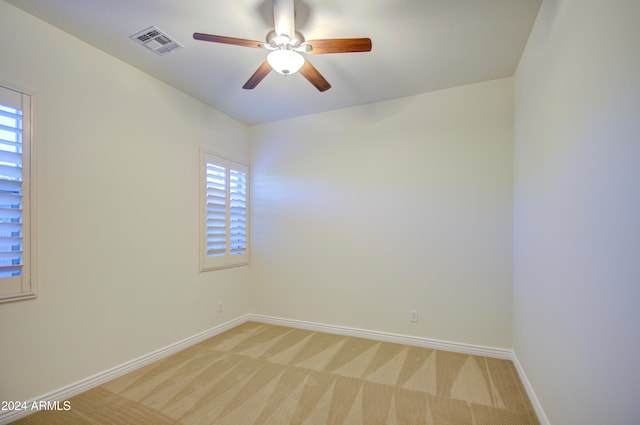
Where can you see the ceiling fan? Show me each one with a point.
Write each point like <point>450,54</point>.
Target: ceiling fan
<point>286,47</point>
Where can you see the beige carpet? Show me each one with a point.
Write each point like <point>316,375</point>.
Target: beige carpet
<point>264,374</point>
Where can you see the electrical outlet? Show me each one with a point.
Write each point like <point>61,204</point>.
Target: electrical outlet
<point>413,316</point>
<point>220,307</point>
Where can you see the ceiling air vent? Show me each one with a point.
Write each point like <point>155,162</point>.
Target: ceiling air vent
<point>155,39</point>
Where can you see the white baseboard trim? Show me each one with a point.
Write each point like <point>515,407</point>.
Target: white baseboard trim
<point>436,344</point>
<point>533,398</point>
<point>93,381</point>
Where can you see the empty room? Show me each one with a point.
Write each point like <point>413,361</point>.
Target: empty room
<point>320,212</point>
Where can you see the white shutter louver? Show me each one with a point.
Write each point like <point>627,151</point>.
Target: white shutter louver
<point>224,238</point>
<point>14,194</point>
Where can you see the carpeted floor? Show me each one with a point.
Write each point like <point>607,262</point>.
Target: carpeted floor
<point>264,374</point>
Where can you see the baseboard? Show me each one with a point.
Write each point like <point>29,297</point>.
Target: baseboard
<point>457,347</point>
<point>533,398</point>
<point>90,382</point>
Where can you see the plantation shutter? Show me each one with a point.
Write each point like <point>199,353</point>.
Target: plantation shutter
<point>216,224</point>
<point>224,238</point>
<point>237,212</point>
<point>15,119</point>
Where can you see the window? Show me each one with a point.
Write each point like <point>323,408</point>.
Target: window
<point>15,180</point>
<point>224,210</point>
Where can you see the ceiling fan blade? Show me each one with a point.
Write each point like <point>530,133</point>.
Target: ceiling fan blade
<point>227,40</point>
<point>262,71</point>
<point>313,75</point>
<point>339,45</point>
<point>284,17</point>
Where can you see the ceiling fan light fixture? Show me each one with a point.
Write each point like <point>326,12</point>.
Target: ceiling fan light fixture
<point>285,62</point>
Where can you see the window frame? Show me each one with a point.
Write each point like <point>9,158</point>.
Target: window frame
<point>24,287</point>
<point>208,263</point>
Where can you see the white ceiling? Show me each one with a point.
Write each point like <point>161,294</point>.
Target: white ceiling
<point>418,46</point>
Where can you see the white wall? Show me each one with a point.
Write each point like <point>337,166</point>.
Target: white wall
<point>362,214</point>
<point>117,213</point>
<point>577,211</point>
<point>334,239</point>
